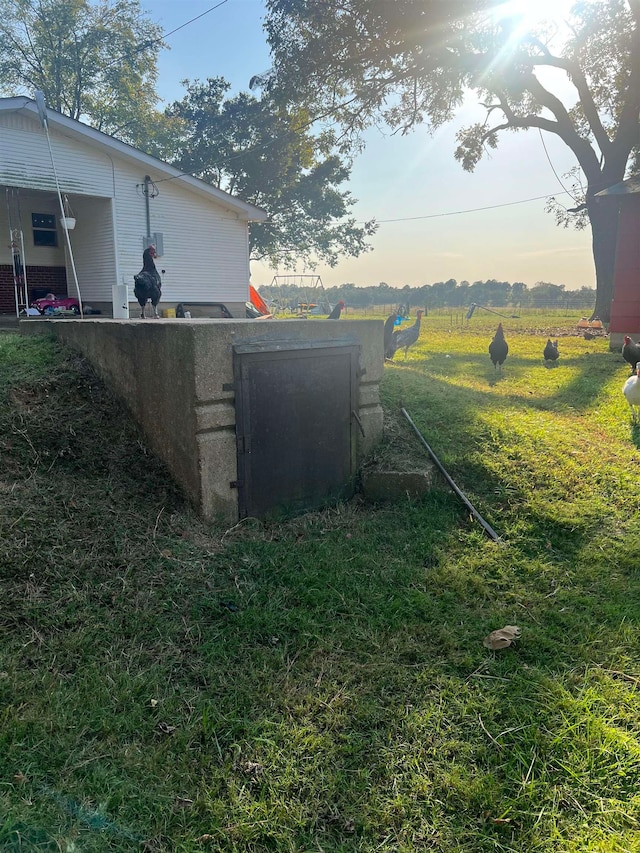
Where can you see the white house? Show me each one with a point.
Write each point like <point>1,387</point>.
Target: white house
<point>122,200</point>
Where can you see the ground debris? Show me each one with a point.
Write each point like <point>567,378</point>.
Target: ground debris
<point>502,638</point>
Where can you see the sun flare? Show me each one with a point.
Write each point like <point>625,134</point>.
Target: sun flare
<point>532,12</point>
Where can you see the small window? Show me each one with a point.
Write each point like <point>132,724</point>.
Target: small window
<point>44,229</point>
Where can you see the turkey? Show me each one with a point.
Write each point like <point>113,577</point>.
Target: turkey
<point>405,338</point>
<point>148,285</point>
<point>388,335</point>
<point>551,351</point>
<point>631,390</point>
<point>630,352</point>
<point>498,348</point>
<point>335,314</point>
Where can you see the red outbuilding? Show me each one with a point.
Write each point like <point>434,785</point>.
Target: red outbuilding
<point>625,307</point>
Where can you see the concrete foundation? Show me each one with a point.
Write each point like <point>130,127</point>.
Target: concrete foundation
<point>616,340</point>
<point>176,377</point>
<point>379,486</point>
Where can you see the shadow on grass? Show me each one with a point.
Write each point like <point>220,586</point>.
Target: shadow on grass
<point>344,702</point>
<point>495,377</point>
<point>579,393</point>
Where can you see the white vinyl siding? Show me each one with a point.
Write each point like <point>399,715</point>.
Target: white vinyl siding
<point>205,247</point>
<point>25,160</point>
<point>92,245</point>
<point>205,235</point>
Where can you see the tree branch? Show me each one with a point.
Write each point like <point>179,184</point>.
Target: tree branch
<point>579,80</point>
<point>627,134</point>
<point>634,8</point>
<point>524,122</point>
<point>32,61</point>
<point>564,128</point>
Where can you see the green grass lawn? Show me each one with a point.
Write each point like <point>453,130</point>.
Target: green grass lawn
<point>321,684</point>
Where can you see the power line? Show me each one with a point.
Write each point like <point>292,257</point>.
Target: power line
<point>468,210</point>
<point>147,44</point>
<point>553,170</point>
<point>197,18</point>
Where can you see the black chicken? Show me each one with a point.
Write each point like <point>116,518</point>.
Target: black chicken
<point>148,285</point>
<point>405,338</point>
<point>551,351</point>
<point>498,348</point>
<point>631,352</point>
<point>337,311</point>
<point>390,322</point>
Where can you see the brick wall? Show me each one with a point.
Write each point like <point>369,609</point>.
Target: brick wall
<point>40,280</point>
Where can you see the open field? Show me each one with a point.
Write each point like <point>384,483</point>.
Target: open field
<point>321,684</point>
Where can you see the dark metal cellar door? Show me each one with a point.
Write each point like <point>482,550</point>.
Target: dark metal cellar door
<point>295,429</point>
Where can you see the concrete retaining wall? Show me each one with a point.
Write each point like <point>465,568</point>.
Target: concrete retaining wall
<point>172,375</point>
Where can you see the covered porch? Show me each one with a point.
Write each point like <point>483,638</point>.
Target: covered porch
<point>35,259</point>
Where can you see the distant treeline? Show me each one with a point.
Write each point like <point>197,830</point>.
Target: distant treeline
<point>441,294</point>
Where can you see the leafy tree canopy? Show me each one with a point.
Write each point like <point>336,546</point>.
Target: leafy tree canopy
<point>270,158</point>
<point>413,61</point>
<point>94,61</point>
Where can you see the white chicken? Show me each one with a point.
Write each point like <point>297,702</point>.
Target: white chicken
<point>631,390</point>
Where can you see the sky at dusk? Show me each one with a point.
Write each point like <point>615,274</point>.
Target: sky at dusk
<point>436,221</point>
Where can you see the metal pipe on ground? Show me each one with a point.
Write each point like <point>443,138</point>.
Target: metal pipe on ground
<point>475,305</point>
<point>465,500</point>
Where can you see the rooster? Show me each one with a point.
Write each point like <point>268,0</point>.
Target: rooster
<point>631,390</point>
<point>498,348</point>
<point>551,351</point>
<point>335,313</point>
<point>148,285</point>
<point>405,338</point>
<point>631,352</point>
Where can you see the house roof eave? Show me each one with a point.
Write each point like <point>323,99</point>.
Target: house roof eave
<point>65,124</point>
<point>630,185</point>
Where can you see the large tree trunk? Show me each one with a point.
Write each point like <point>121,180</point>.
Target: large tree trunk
<point>603,215</point>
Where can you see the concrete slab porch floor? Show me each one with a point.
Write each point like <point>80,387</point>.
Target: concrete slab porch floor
<point>176,377</point>
<point>8,323</point>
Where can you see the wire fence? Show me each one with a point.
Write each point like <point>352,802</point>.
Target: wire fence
<point>524,319</point>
